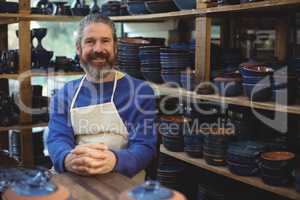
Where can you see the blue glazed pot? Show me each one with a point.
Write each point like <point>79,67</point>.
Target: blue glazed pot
<point>137,8</point>
<point>242,169</point>
<point>160,6</point>
<point>256,79</point>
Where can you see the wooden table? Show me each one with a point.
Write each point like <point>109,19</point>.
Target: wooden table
<point>100,187</point>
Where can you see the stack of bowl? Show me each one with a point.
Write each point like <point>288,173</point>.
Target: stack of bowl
<point>229,84</point>
<point>128,55</point>
<point>215,145</point>
<point>169,175</point>
<point>276,167</point>
<point>150,63</point>
<point>256,81</point>
<point>185,5</point>
<point>111,8</point>
<point>136,7</point>
<point>173,61</point>
<point>172,130</point>
<point>243,157</point>
<point>193,141</point>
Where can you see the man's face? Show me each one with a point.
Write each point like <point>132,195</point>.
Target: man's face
<point>97,50</point>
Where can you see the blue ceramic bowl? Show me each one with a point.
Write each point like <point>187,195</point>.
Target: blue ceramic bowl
<point>256,79</point>
<point>256,71</point>
<point>242,169</point>
<point>137,8</point>
<point>257,92</point>
<point>186,4</point>
<point>193,139</point>
<point>194,153</point>
<point>278,159</point>
<point>9,7</point>
<point>173,125</point>
<point>160,6</point>
<point>172,143</point>
<point>80,11</point>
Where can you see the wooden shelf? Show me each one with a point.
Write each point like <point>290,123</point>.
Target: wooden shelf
<point>133,18</point>
<point>21,127</point>
<point>266,5</point>
<point>257,182</point>
<point>240,100</point>
<point>33,74</point>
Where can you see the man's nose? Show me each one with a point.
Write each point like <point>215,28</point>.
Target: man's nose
<point>98,47</point>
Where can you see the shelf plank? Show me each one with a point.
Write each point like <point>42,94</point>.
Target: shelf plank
<point>133,18</point>
<point>33,74</point>
<point>22,127</point>
<point>257,182</point>
<point>161,90</point>
<point>265,5</point>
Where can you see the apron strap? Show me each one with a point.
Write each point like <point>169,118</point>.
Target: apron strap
<point>114,88</point>
<point>77,92</point>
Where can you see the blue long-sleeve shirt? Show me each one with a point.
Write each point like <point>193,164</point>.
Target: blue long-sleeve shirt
<point>135,103</point>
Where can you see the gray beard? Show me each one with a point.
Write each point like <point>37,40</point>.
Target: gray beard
<point>96,74</point>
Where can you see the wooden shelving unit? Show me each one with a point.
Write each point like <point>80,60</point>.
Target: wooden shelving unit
<point>257,182</point>
<point>161,90</point>
<point>203,22</point>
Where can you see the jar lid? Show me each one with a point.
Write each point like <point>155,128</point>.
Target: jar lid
<point>150,190</point>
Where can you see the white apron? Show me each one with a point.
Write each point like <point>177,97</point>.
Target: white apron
<point>100,123</point>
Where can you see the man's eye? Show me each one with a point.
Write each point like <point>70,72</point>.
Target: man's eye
<point>89,41</point>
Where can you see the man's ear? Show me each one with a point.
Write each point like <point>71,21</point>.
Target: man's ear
<point>78,48</point>
<point>116,48</point>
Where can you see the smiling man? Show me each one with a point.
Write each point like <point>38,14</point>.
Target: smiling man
<point>105,120</point>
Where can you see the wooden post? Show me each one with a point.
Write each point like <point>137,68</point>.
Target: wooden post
<point>3,46</point>
<point>202,49</point>
<point>202,54</point>
<point>281,39</point>
<point>25,91</point>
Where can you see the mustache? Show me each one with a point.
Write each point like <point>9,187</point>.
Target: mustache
<point>101,55</point>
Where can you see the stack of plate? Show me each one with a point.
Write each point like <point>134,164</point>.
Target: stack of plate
<point>172,130</point>
<point>193,142</point>
<point>150,63</point>
<point>169,175</point>
<point>215,145</point>
<point>243,157</point>
<point>173,61</point>
<point>128,56</point>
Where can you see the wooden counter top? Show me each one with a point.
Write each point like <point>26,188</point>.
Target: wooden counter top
<point>100,187</point>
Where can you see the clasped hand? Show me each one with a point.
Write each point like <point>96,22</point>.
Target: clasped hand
<point>90,159</point>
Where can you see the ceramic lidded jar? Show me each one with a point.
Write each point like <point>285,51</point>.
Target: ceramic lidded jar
<point>151,190</point>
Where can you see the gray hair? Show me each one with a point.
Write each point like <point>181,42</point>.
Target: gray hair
<point>95,18</point>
